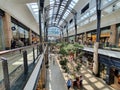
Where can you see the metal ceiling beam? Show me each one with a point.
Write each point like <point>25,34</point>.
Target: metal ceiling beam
<point>41,5</point>
<point>58,9</point>
<point>53,11</point>
<point>47,20</point>
<point>50,25</point>
<point>49,7</point>
<point>67,31</point>
<point>66,7</point>
<point>54,15</point>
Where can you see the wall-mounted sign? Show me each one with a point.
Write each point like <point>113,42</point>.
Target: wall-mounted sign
<point>13,28</point>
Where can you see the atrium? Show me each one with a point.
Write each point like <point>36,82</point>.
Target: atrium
<point>45,43</point>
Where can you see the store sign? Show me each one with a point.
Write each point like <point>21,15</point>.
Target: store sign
<point>13,28</point>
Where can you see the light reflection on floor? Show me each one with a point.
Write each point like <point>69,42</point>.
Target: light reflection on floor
<point>88,87</point>
<point>90,82</point>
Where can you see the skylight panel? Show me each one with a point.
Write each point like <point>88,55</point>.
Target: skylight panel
<point>33,7</point>
<point>64,2</point>
<point>61,22</point>
<point>73,4</point>
<point>75,1</point>
<point>52,1</point>
<point>36,13</point>
<point>35,10</point>
<point>51,11</point>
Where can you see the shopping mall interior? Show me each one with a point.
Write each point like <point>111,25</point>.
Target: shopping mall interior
<point>46,43</point>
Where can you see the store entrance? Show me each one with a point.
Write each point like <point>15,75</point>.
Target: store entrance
<point>103,71</point>
<point>115,78</point>
<point>2,46</point>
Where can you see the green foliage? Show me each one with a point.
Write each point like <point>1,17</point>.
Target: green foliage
<point>81,54</point>
<point>66,48</point>
<point>78,46</point>
<point>63,62</point>
<point>65,68</point>
<point>59,44</point>
<point>63,51</point>
<point>62,44</point>
<point>78,66</point>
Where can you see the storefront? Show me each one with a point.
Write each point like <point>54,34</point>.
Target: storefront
<point>2,46</point>
<point>35,38</point>
<point>91,36</point>
<point>87,59</point>
<point>109,70</point>
<point>118,36</point>
<point>103,71</point>
<point>80,38</point>
<point>19,31</point>
<point>105,35</point>
<point>72,39</point>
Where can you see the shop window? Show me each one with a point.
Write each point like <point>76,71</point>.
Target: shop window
<point>2,46</point>
<point>116,73</point>
<point>71,21</point>
<point>118,36</point>
<point>103,71</point>
<point>85,8</point>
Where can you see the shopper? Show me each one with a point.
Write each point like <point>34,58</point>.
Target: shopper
<point>81,81</point>
<point>13,44</point>
<point>69,84</point>
<point>76,84</point>
<point>53,61</point>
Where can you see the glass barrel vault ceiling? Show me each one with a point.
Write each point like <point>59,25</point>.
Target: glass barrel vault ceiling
<point>56,12</point>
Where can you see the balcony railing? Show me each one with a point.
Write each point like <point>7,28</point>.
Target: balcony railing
<point>16,66</point>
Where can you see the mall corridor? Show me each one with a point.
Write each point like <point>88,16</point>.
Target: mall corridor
<point>56,78</point>
<point>43,43</point>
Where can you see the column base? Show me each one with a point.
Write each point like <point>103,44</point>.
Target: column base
<point>96,75</point>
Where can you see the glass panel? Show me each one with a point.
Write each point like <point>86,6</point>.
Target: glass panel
<point>35,52</point>
<point>33,7</point>
<point>1,77</point>
<point>52,1</point>
<point>30,55</point>
<point>15,65</point>
<point>1,35</point>
<point>118,36</point>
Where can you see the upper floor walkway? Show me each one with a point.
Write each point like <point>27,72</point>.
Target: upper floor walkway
<point>17,74</point>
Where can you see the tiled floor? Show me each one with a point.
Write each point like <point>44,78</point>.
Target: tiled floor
<point>57,82</point>
<point>91,82</point>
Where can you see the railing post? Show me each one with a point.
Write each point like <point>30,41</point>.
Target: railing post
<point>33,55</point>
<point>25,62</point>
<point>37,50</point>
<point>6,73</point>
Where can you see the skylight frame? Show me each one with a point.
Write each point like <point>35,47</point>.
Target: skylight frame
<point>33,7</point>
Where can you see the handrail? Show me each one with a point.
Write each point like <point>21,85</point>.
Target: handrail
<point>32,80</point>
<point>16,49</point>
<point>18,62</point>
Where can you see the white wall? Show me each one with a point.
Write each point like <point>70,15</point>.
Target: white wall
<point>19,10</point>
<point>107,20</point>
